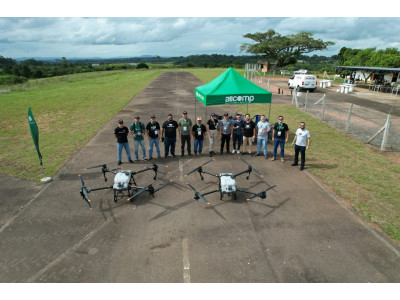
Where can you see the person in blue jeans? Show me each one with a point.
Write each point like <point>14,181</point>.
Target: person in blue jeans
<point>138,131</point>
<point>263,128</point>
<point>199,132</point>
<point>237,133</point>
<point>121,133</point>
<point>153,130</point>
<point>168,130</point>
<point>280,136</point>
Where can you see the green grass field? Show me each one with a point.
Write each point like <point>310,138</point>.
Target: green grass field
<point>70,109</point>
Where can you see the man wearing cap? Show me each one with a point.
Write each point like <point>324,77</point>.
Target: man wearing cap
<point>153,129</point>
<point>185,133</point>
<point>169,132</point>
<point>237,133</point>
<point>199,132</point>
<point>212,126</point>
<point>121,133</point>
<point>249,134</point>
<point>138,131</point>
<point>226,131</point>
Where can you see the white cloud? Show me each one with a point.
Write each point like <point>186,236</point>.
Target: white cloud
<point>170,36</point>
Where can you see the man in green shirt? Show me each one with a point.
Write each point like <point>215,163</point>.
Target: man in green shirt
<point>185,133</point>
<point>138,131</point>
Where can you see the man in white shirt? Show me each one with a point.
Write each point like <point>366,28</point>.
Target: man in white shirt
<point>301,143</point>
<point>263,128</point>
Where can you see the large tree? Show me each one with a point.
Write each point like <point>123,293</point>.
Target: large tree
<point>285,50</point>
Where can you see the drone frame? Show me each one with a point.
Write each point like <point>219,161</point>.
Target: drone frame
<point>198,195</point>
<point>132,189</point>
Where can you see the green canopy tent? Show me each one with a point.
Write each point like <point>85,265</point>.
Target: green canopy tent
<point>231,88</point>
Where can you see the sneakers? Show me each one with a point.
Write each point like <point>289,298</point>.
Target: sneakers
<point>182,155</point>
<point>159,156</point>
<point>258,154</point>
<point>119,162</point>
<point>194,155</point>
<point>273,158</point>
<point>238,151</point>
<point>293,165</point>
<point>131,161</point>
<point>150,158</point>
<point>266,156</point>
<point>233,151</point>
<point>301,168</point>
<point>282,159</point>
<point>145,159</point>
<point>211,153</point>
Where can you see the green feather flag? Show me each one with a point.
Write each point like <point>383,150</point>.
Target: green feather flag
<point>34,132</point>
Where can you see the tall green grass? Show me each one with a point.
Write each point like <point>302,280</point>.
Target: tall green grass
<point>359,174</point>
<point>68,110</point>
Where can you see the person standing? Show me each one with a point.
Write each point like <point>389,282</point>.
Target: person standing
<point>301,143</point>
<point>169,132</point>
<point>237,133</point>
<point>263,128</point>
<point>212,125</point>
<point>185,133</point>
<point>199,132</point>
<point>138,131</point>
<point>153,130</point>
<point>249,134</point>
<point>226,130</point>
<point>280,136</point>
<point>121,133</point>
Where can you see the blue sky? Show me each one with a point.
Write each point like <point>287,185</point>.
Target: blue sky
<point>62,32</point>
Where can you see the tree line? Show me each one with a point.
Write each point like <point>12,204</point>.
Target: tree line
<point>284,52</point>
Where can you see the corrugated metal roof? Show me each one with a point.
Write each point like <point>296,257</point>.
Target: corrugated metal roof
<point>369,68</point>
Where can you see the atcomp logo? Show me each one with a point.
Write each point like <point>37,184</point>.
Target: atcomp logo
<point>248,99</point>
<point>199,95</point>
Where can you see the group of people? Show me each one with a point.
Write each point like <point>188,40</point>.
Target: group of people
<point>242,132</point>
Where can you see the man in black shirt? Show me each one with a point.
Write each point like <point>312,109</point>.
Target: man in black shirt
<point>121,133</point>
<point>153,130</point>
<point>199,132</point>
<point>280,136</point>
<point>212,125</point>
<point>169,128</point>
<point>249,133</point>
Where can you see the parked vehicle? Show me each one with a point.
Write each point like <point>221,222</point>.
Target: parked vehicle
<point>303,81</point>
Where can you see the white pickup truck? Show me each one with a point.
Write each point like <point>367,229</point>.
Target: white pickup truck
<point>303,81</point>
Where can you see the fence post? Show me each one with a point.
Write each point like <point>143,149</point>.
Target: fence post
<point>323,108</point>
<point>385,133</point>
<point>348,117</point>
<point>305,104</point>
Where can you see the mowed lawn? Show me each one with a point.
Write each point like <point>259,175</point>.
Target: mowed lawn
<point>362,176</point>
<point>70,109</point>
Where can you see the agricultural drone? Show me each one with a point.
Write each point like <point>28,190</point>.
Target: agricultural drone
<point>227,183</point>
<point>124,183</point>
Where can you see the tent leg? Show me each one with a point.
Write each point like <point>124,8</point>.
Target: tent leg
<point>195,107</point>
<point>269,114</point>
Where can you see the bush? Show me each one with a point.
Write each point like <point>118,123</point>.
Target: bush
<point>142,66</point>
<point>11,79</point>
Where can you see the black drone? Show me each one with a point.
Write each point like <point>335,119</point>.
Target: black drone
<point>124,182</point>
<point>227,183</point>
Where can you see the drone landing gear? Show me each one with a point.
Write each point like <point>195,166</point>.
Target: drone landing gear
<point>232,194</point>
<point>118,195</point>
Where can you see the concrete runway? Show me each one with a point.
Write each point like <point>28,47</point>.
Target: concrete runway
<point>300,233</point>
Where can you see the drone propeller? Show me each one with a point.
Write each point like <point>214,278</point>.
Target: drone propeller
<point>98,166</point>
<point>252,168</point>
<point>199,167</point>
<point>197,195</point>
<point>84,192</point>
<point>104,170</point>
<point>262,194</point>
